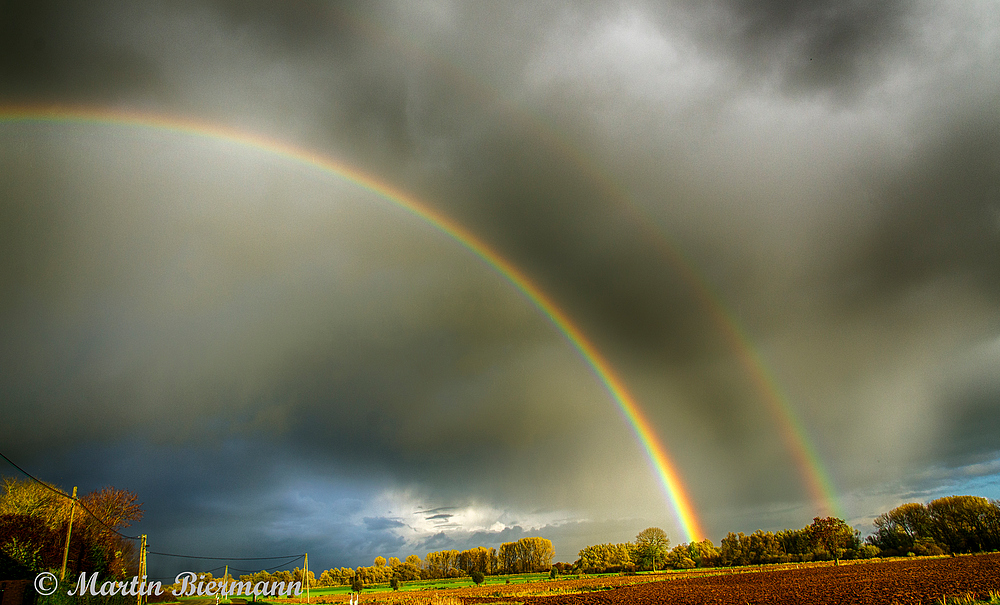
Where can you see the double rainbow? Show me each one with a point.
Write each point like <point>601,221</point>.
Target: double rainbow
<point>818,483</point>
<point>665,469</point>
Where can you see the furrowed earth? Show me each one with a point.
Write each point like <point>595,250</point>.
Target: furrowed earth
<point>902,582</point>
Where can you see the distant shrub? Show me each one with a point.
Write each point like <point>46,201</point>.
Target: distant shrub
<point>394,583</point>
<point>868,551</point>
<point>477,577</point>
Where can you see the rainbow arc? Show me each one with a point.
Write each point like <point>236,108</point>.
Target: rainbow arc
<point>655,450</point>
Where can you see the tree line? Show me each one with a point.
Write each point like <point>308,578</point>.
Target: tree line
<point>527,555</point>
<point>951,525</point>
<point>956,524</point>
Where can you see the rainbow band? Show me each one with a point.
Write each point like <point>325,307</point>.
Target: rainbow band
<point>655,450</point>
<point>794,435</point>
<point>792,432</point>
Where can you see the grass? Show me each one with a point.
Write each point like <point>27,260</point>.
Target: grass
<point>970,599</point>
<point>444,583</point>
<point>418,585</point>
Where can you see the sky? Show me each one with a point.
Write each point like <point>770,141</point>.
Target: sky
<point>777,223</point>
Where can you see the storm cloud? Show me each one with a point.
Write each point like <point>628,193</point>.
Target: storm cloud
<point>734,200</point>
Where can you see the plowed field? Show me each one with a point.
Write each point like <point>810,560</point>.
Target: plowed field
<point>905,582</point>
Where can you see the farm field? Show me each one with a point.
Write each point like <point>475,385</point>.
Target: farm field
<point>902,582</point>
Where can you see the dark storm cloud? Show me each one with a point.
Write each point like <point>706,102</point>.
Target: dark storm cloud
<point>938,216</point>
<point>809,45</point>
<point>58,51</point>
<point>610,152</point>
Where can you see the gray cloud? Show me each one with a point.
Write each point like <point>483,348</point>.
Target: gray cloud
<point>813,45</point>
<point>380,523</point>
<point>825,172</point>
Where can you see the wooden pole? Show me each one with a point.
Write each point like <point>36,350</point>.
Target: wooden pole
<point>142,569</point>
<point>69,531</point>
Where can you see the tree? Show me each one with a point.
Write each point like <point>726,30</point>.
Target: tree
<point>764,547</point>
<point>899,529</point>
<point>32,499</point>
<point>735,550</point>
<point>394,583</point>
<point>477,577</point>
<point>599,558</point>
<point>357,585</point>
<point>477,559</point>
<point>679,557</point>
<point>508,558</point>
<point>651,546</point>
<point>536,553</point>
<point>327,578</point>
<point>442,564</point>
<point>406,571</point>
<point>27,506</point>
<point>704,553</point>
<point>117,508</point>
<point>832,535</point>
<point>965,523</point>
<point>795,542</point>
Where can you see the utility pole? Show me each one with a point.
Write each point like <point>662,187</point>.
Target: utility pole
<point>140,599</point>
<point>69,530</point>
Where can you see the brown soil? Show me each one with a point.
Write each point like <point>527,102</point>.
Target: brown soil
<point>904,582</point>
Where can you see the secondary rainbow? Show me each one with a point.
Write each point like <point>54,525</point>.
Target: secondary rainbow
<point>664,467</point>
<point>794,435</point>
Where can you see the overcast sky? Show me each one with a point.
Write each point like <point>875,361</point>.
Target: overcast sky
<point>279,361</point>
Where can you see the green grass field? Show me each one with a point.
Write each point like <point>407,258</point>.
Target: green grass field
<point>418,585</point>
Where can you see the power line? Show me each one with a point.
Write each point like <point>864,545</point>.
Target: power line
<point>166,554</point>
<point>65,495</point>
<point>232,569</point>
<point>269,569</point>
<point>162,554</point>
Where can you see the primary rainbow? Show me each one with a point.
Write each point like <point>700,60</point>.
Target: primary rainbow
<point>794,435</point>
<point>655,450</point>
